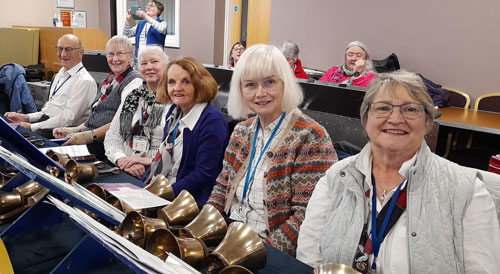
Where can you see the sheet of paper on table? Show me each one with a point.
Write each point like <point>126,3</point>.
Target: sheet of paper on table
<point>136,197</point>
<point>72,151</point>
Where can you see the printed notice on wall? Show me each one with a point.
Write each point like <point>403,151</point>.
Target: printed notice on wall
<point>80,18</point>
<point>66,18</point>
<point>66,4</point>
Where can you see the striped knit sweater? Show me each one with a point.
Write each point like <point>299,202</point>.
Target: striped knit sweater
<point>304,153</point>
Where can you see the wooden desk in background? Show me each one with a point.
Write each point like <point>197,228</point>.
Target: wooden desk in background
<point>482,121</point>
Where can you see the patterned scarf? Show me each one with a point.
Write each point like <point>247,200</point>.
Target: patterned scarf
<point>130,107</point>
<point>107,87</point>
<point>162,163</point>
<point>339,74</point>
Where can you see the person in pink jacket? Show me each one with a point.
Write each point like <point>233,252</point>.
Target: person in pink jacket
<point>358,69</point>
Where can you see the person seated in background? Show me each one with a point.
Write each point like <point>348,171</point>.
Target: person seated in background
<point>396,207</point>
<point>114,89</point>
<point>150,31</point>
<point>136,130</point>
<point>274,159</point>
<point>15,95</point>
<point>71,94</point>
<point>195,135</point>
<point>291,52</point>
<point>234,55</point>
<point>357,69</point>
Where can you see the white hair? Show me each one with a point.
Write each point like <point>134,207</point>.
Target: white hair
<point>261,61</point>
<point>369,67</point>
<point>156,50</point>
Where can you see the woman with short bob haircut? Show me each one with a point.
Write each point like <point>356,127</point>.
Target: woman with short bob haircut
<point>396,207</point>
<point>195,133</point>
<point>274,159</point>
<point>265,61</point>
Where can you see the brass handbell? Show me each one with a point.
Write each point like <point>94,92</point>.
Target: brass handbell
<point>137,228</point>
<point>10,201</point>
<point>122,206</point>
<point>235,269</point>
<point>241,246</point>
<point>98,191</point>
<point>331,268</point>
<point>37,197</point>
<point>76,173</point>
<point>192,251</point>
<point>209,226</point>
<point>28,189</point>
<point>182,210</point>
<point>161,187</point>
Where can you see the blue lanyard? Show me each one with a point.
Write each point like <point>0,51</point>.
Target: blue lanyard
<point>143,120</point>
<point>251,173</point>
<point>377,239</point>
<point>64,82</point>
<point>174,134</point>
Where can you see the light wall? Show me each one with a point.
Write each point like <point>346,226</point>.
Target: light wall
<point>40,12</point>
<point>197,31</point>
<point>452,42</point>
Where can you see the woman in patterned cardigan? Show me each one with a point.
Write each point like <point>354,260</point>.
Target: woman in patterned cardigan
<point>287,151</point>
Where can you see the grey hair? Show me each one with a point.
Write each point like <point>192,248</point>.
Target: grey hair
<point>153,50</point>
<point>120,40</point>
<point>290,49</point>
<point>369,67</point>
<point>388,82</point>
<point>261,61</point>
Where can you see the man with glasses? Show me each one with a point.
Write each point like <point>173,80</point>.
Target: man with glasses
<point>150,31</point>
<point>71,93</point>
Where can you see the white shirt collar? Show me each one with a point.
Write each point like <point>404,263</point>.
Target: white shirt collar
<point>72,71</point>
<point>364,164</point>
<point>193,115</point>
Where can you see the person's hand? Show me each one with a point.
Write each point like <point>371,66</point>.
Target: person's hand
<point>26,125</point>
<point>360,64</point>
<point>69,142</point>
<point>17,117</point>
<point>136,170</point>
<point>129,16</point>
<point>58,133</point>
<point>127,162</point>
<point>141,14</point>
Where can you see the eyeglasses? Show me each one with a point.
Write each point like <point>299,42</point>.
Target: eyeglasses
<point>408,111</point>
<point>239,49</point>
<point>67,50</point>
<point>250,87</point>
<point>119,55</point>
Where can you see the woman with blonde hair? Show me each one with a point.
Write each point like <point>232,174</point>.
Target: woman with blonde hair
<point>274,159</point>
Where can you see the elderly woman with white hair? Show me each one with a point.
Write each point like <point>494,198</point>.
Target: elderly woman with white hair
<point>396,207</point>
<point>137,127</point>
<point>274,159</point>
<point>357,69</point>
<point>291,52</point>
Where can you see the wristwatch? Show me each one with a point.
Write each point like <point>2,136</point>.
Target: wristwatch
<point>356,74</point>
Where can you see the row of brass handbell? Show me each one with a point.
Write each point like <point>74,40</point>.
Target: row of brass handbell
<point>76,172</point>
<point>19,199</point>
<point>190,234</point>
